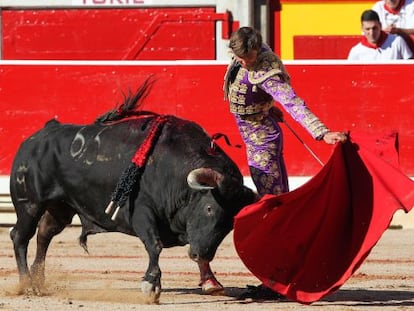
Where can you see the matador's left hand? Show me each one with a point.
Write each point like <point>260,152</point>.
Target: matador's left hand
<point>334,137</point>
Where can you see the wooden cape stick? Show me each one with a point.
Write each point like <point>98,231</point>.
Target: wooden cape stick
<point>303,143</point>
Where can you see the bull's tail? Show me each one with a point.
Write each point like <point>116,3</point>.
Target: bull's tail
<point>131,104</point>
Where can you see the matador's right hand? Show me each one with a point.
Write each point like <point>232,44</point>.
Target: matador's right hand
<point>334,137</point>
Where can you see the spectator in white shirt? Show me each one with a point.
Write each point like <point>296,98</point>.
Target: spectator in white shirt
<point>376,44</point>
<point>397,17</point>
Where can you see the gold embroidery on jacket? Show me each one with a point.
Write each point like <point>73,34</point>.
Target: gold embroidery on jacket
<point>268,65</point>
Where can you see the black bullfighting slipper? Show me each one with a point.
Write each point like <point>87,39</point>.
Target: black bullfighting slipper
<point>260,292</point>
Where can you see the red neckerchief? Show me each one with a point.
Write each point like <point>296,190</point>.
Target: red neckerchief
<point>380,42</point>
<point>397,9</point>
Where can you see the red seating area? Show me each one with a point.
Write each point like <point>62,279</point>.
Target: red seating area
<point>328,46</point>
<point>323,47</point>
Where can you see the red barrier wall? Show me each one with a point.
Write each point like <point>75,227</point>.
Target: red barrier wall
<point>110,34</point>
<point>370,97</point>
<point>323,47</point>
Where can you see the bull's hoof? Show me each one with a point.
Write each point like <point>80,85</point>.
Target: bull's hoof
<point>31,288</point>
<point>25,286</point>
<point>151,292</point>
<point>38,283</point>
<point>212,287</point>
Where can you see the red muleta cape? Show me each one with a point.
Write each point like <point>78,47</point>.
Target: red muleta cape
<point>306,243</point>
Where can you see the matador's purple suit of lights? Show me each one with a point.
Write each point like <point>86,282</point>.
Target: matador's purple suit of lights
<point>251,94</point>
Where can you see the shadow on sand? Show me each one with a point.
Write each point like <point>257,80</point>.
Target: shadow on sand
<point>343,297</point>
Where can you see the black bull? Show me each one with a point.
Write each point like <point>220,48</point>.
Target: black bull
<point>187,193</point>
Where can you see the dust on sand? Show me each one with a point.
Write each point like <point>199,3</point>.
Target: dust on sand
<point>108,278</point>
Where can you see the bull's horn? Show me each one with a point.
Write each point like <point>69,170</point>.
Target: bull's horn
<point>204,179</point>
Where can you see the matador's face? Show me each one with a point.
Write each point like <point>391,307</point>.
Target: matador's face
<point>249,60</point>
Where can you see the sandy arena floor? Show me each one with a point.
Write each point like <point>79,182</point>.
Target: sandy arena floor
<point>109,278</point>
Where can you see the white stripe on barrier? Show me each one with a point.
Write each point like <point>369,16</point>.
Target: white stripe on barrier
<point>294,182</point>
<point>400,219</point>
<point>111,62</point>
<point>187,62</point>
<point>4,184</point>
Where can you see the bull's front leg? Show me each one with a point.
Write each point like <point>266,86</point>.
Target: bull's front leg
<point>208,282</point>
<point>151,282</point>
<point>144,225</point>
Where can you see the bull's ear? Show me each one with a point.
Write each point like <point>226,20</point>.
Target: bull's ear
<point>204,179</point>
